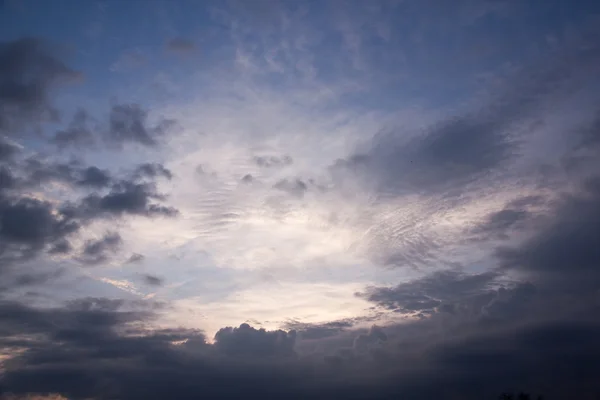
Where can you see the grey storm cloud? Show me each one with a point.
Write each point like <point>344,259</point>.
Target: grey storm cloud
<point>29,71</point>
<point>94,347</point>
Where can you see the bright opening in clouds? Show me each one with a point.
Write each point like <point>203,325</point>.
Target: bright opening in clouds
<point>299,199</point>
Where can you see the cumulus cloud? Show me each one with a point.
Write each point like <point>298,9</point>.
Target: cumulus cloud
<point>248,341</point>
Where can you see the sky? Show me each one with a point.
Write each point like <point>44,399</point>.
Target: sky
<point>299,199</point>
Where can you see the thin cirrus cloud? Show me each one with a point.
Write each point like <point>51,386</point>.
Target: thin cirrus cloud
<point>330,200</point>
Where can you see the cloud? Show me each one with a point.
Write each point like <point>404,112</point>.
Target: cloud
<point>153,280</point>
<point>319,331</point>
<point>97,251</point>
<point>363,342</point>
<point>273,161</point>
<point>180,45</point>
<point>295,187</point>
<point>509,303</point>
<point>95,347</point>
<point>128,124</point>
<point>40,172</point>
<point>430,293</point>
<point>476,144</point>
<point>564,246</point>
<point>153,170</point>
<point>7,150</point>
<point>78,134</point>
<point>124,198</point>
<point>28,225</point>
<point>33,279</point>
<point>135,258</point>
<point>248,341</point>
<point>29,71</point>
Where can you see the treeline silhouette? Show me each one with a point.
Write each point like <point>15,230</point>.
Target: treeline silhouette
<point>520,396</point>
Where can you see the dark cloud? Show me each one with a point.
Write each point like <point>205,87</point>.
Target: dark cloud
<point>153,170</point>
<point>180,45</point>
<point>295,187</point>
<point>77,135</point>
<point>7,180</point>
<point>498,224</point>
<point>94,177</point>
<point>455,152</point>
<point>33,279</point>
<point>248,178</point>
<point>474,146</point>
<point>28,225</point>
<point>61,247</point>
<point>153,280</point>
<point>98,348</point>
<point>7,150</point>
<point>128,124</point>
<point>29,71</point>
<point>428,294</point>
<point>98,251</point>
<point>73,173</point>
<point>273,161</point>
<point>124,198</point>
<point>135,258</point>
<point>247,341</point>
<point>511,302</point>
<point>517,216</point>
<point>363,342</point>
<point>565,248</point>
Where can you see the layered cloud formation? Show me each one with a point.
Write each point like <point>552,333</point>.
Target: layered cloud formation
<point>378,200</point>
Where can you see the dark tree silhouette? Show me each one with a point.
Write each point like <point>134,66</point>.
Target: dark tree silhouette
<point>520,396</point>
